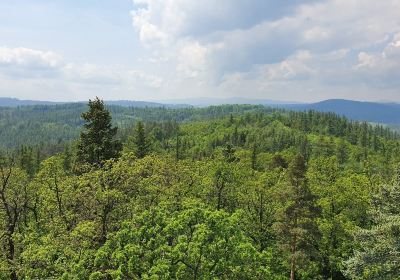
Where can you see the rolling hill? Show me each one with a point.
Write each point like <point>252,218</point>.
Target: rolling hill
<point>15,102</point>
<point>385,113</point>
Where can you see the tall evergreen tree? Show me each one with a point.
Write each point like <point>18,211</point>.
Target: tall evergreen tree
<point>296,221</point>
<point>229,153</point>
<point>177,147</point>
<point>142,145</point>
<point>378,255</point>
<point>97,142</point>
<point>254,157</point>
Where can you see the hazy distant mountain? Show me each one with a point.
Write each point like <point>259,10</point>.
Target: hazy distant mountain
<point>141,104</point>
<point>388,113</point>
<point>204,101</point>
<point>14,102</point>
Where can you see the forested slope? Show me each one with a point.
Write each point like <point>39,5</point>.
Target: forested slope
<point>53,124</point>
<point>385,113</point>
<point>230,192</point>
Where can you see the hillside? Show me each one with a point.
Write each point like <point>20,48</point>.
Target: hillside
<point>385,113</point>
<point>14,102</point>
<point>58,123</point>
<point>227,189</point>
<point>55,124</point>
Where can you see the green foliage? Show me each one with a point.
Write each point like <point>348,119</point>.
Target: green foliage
<point>15,198</point>
<point>97,142</point>
<point>191,243</point>
<point>377,256</point>
<point>344,200</point>
<point>225,192</point>
<point>296,224</point>
<point>138,143</point>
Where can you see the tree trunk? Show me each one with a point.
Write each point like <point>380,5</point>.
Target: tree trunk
<point>292,269</point>
<point>11,251</point>
<point>293,259</point>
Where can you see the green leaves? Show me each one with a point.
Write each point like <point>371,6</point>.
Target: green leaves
<point>139,142</point>
<point>248,197</point>
<point>378,253</point>
<point>97,143</point>
<point>192,243</point>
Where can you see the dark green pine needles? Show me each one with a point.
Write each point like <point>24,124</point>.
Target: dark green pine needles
<point>97,141</point>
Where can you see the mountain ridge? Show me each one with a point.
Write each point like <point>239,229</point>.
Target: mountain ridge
<point>387,113</point>
<point>376,112</point>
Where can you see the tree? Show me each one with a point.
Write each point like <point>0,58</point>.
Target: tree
<point>177,147</point>
<point>229,153</point>
<point>296,220</point>
<point>343,199</point>
<point>254,157</point>
<point>54,195</point>
<point>278,161</point>
<point>260,205</point>
<point>138,142</point>
<point>192,243</point>
<point>342,151</point>
<point>97,142</point>
<point>15,199</point>
<point>378,256</point>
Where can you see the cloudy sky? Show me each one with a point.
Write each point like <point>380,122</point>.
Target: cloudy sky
<point>292,50</point>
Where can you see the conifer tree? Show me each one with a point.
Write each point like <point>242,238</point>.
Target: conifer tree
<point>254,157</point>
<point>177,147</point>
<point>296,227</point>
<point>97,142</point>
<point>229,153</point>
<point>377,256</point>
<point>142,145</point>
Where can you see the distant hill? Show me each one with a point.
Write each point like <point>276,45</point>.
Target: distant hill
<point>386,113</point>
<point>14,102</point>
<point>53,125</point>
<point>142,104</point>
<point>205,101</point>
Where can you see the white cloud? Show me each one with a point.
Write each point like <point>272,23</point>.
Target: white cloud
<point>312,45</point>
<point>25,57</point>
<point>20,63</point>
<point>192,59</point>
<point>381,69</point>
<point>295,67</point>
<point>44,71</point>
<point>306,49</point>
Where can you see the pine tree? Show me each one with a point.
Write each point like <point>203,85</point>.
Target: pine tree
<point>97,142</point>
<point>67,158</point>
<point>296,220</point>
<point>229,153</point>
<point>254,157</point>
<point>378,254</point>
<point>142,145</point>
<point>177,147</point>
<point>341,151</point>
<point>231,119</point>
<point>278,161</point>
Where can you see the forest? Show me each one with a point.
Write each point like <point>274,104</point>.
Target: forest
<point>223,192</point>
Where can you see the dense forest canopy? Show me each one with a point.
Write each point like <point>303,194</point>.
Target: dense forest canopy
<point>53,125</point>
<point>223,192</point>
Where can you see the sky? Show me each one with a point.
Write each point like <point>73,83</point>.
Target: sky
<point>293,50</point>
